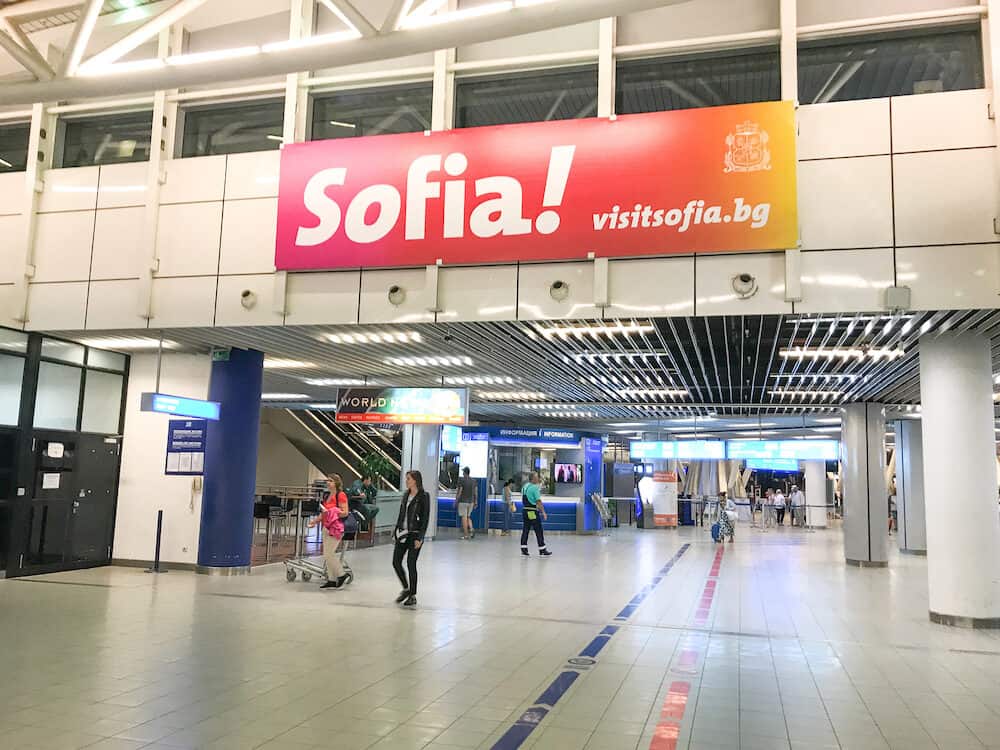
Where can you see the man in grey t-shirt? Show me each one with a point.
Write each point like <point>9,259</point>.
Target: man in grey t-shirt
<point>467,497</point>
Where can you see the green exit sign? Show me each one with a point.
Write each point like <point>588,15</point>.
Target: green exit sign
<point>220,355</point>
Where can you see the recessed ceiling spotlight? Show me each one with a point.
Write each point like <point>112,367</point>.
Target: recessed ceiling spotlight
<point>429,361</point>
<point>512,395</point>
<point>479,380</point>
<point>653,392</point>
<point>375,337</point>
<point>595,331</point>
<point>841,353</point>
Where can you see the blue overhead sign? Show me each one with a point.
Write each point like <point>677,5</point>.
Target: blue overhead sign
<point>521,435</point>
<point>798,450</point>
<point>694,449</point>
<point>179,406</point>
<point>773,464</point>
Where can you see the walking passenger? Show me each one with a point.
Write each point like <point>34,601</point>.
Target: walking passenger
<point>334,510</point>
<point>798,501</point>
<point>508,506</point>
<point>727,517</point>
<point>779,506</point>
<point>466,500</point>
<point>532,514</point>
<point>411,525</point>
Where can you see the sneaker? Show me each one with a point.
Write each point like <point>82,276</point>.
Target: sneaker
<point>525,552</point>
<point>411,601</point>
<point>403,596</point>
<point>544,553</point>
<point>335,584</point>
<point>342,580</point>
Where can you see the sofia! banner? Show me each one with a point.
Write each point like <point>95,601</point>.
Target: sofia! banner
<point>698,180</point>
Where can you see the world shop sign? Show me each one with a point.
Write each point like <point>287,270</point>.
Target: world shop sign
<point>700,180</point>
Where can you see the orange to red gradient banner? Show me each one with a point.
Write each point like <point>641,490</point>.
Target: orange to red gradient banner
<point>698,180</point>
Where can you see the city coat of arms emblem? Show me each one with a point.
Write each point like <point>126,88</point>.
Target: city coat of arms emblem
<point>748,150</point>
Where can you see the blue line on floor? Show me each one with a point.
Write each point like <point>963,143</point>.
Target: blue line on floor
<point>514,737</point>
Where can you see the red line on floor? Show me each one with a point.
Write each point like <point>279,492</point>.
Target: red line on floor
<point>708,594</point>
<point>669,729</point>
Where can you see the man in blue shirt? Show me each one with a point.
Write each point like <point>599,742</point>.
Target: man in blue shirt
<point>532,514</point>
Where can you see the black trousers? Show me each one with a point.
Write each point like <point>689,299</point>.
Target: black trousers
<point>529,524</point>
<point>781,516</point>
<point>403,547</point>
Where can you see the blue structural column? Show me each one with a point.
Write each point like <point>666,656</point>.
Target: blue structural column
<point>231,465</point>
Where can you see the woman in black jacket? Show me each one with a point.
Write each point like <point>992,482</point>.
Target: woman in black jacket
<point>414,513</point>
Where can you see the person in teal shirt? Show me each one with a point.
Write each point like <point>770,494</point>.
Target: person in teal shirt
<point>532,515</point>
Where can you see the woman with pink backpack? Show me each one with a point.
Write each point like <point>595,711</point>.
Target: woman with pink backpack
<point>334,510</point>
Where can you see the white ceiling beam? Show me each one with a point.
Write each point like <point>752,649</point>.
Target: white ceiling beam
<point>346,11</point>
<point>82,30</point>
<point>30,60</point>
<point>14,29</point>
<point>144,33</point>
<point>515,22</point>
<point>399,9</point>
<point>36,8</point>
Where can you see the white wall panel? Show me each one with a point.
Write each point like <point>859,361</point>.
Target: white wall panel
<point>11,253</point>
<point>183,302</point>
<point>252,175</point>
<point>699,18</point>
<point>845,203</point>
<point>187,239</point>
<point>314,298</point>
<point>11,193</point>
<point>480,293</point>
<point>565,39</point>
<point>117,252</point>
<point>535,302</point>
<point>954,119</point>
<point>248,229</point>
<point>824,11</point>
<point>53,307</point>
<point>845,280</point>
<point>945,197</point>
<point>837,129</point>
<point>194,180</point>
<point>114,304</point>
<point>122,185</point>
<point>660,286</point>
<point>375,305</point>
<point>72,189</point>
<point>943,278</point>
<point>714,293</point>
<point>229,310</point>
<point>7,305</point>
<point>62,246</point>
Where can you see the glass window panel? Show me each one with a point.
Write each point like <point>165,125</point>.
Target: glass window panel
<point>233,128</point>
<point>532,97</point>
<point>13,148</point>
<point>65,351</point>
<point>102,402</point>
<point>58,398</point>
<point>114,139</point>
<point>872,67</point>
<point>13,341</point>
<point>666,84</point>
<point>11,375</point>
<point>383,111</point>
<point>105,360</point>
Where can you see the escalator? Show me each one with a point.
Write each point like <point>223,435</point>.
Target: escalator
<point>336,448</point>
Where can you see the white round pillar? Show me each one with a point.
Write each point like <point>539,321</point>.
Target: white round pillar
<point>960,480</point>
<point>814,474</point>
<point>911,519</point>
<point>422,451</point>
<point>866,502</point>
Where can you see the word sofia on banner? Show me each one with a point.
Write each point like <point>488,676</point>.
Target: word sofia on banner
<point>704,180</point>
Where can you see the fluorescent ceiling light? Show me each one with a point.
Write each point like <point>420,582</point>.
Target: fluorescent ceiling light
<point>691,420</point>
<point>323,407</point>
<point>6,163</point>
<point>273,137</point>
<point>340,124</point>
<point>841,353</point>
<point>806,394</point>
<point>192,58</point>
<point>334,381</point>
<point>286,364</point>
<point>826,429</point>
<point>283,396</point>
<point>569,415</point>
<point>652,392</point>
<point>828,420</point>
<point>512,395</point>
<point>627,424</point>
<point>616,356</point>
<point>747,425</point>
<point>479,380</point>
<point>311,41</point>
<point>815,378</point>
<point>375,337</point>
<point>755,433</point>
<point>429,361</point>
<point>128,343</point>
<point>608,329</point>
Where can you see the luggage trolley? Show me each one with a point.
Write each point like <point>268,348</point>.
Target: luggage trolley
<point>308,567</point>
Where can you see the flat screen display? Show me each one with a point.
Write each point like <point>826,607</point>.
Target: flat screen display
<point>773,464</point>
<point>475,454</point>
<point>704,449</point>
<point>451,439</point>
<point>568,473</point>
<point>799,450</point>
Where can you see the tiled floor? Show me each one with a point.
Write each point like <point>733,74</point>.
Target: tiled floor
<point>784,648</point>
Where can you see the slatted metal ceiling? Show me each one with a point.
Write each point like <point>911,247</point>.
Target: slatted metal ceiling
<point>730,366</point>
<point>69,14</point>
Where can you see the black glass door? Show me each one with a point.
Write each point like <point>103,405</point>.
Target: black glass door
<point>8,462</point>
<point>93,512</point>
<point>46,541</point>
